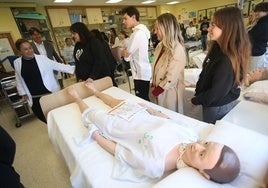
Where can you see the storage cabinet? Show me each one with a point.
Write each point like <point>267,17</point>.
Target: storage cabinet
<point>59,17</point>
<point>94,15</point>
<point>151,13</point>
<point>143,12</point>
<point>102,18</point>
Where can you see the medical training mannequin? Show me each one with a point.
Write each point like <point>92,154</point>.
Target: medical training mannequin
<point>257,75</point>
<point>146,150</point>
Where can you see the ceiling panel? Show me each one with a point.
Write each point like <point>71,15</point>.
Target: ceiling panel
<point>88,2</point>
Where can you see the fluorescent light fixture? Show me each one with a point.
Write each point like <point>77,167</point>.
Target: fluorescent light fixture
<point>147,2</point>
<point>62,1</point>
<point>113,1</point>
<point>173,2</point>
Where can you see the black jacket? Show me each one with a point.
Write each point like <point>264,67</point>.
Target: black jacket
<point>8,176</point>
<point>91,61</point>
<point>204,25</point>
<point>259,36</point>
<point>215,86</point>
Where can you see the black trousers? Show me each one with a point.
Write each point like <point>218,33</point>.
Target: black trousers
<point>8,176</point>
<point>142,89</point>
<point>37,110</point>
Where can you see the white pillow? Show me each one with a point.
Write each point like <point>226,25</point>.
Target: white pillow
<point>199,59</point>
<point>258,92</point>
<point>191,75</point>
<point>251,148</point>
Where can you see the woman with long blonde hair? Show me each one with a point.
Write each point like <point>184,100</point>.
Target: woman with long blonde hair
<point>168,67</point>
<point>225,67</point>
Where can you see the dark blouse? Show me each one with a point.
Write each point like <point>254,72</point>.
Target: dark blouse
<point>259,36</point>
<point>32,77</point>
<point>91,60</point>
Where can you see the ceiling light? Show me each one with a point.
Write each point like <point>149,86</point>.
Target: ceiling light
<point>113,1</point>
<point>62,1</point>
<point>173,2</point>
<point>147,2</point>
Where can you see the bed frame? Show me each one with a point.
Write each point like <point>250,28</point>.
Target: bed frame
<point>61,98</point>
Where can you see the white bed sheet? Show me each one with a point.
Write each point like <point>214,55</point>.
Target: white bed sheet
<point>197,113</point>
<point>191,76</point>
<point>91,166</point>
<point>188,110</point>
<point>251,115</point>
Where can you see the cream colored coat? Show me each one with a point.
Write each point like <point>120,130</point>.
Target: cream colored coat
<point>168,73</point>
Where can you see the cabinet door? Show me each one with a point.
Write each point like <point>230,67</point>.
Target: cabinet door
<point>59,17</point>
<point>151,13</point>
<point>94,15</point>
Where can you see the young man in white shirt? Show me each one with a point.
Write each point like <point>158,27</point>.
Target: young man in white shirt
<point>68,51</point>
<point>191,32</point>
<point>137,52</point>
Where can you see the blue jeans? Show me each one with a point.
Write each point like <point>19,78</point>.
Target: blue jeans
<point>212,114</point>
<point>204,42</point>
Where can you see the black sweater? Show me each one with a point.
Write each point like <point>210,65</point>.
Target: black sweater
<point>8,176</point>
<point>91,61</point>
<point>259,36</point>
<point>215,86</point>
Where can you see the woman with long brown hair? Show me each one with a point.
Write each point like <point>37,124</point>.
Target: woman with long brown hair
<point>225,67</point>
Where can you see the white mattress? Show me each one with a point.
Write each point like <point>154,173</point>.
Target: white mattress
<point>91,166</point>
<point>191,76</point>
<point>192,44</point>
<point>249,114</point>
<point>197,113</point>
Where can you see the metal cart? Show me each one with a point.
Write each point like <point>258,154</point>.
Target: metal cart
<point>18,104</point>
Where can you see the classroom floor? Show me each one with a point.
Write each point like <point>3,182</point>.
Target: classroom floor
<point>36,160</point>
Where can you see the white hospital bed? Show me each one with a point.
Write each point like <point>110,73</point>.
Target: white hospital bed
<point>191,76</point>
<point>91,166</point>
<point>261,87</point>
<point>192,48</point>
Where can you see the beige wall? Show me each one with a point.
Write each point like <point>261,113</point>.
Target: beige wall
<point>8,24</point>
<point>183,9</point>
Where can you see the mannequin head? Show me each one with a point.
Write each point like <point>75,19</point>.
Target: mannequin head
<point>214,161</point>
